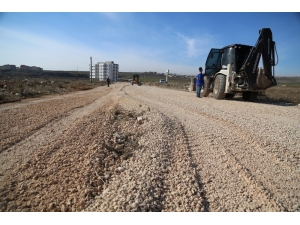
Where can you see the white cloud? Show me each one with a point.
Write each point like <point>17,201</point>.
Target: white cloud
<point>197,46</point>
<point>190,42</point>
<point>112,16</point>
<point>19,47</point>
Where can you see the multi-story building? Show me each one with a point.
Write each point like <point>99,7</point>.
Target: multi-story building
<point>37,69</point>
<point>8,67</point>
<point>107,69</point>
<point>21,68</point>
<point>24,67</point>
<point>30,68</point>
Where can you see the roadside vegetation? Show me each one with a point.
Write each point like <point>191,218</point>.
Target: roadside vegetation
<point>17,86</point>
<point>287,90</point>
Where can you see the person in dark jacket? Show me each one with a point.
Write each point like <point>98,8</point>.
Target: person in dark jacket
<point>108,81</point>
<point>199,82</point>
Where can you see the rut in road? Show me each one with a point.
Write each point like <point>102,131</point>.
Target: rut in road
<point>31,135</point>
<point>235,154</point>
<point>31,116</point>
<point>215,173</point>
<point>185,154</point>
<point>64,165</point>
<point>161,176</point>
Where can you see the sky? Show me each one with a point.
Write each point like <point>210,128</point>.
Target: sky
<point>139,40</point>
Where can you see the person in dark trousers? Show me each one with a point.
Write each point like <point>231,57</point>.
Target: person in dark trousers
<point>108,81</point>
<point>199,82</point>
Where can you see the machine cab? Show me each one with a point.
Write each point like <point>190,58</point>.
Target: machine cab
<point>219,58</point>
<point>213,62</point>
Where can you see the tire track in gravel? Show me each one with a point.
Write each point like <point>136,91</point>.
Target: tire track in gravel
<point>194,164</point>
<point>274,177</point>
<point>37,115</point>
<point>19,151</point>
<point>213,201</point>
<point>63,175</point>
<point>190,149</point>
<point>185,188</point>
<point>46,98</point>
<point>160,177</point>
<point>248,177</point>
<point>140,187</point>
<point>230,167</point>
<point>184,191</point>
<point>265,145</point>
<point>275,186</point>
<point>279,177</point>
<point>249,136</point>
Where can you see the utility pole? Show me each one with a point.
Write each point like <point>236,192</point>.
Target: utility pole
<point>167,73</point>
<point>91,69</point>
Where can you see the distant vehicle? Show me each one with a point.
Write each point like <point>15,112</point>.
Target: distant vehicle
<point>163,81</point>
<point>136,80</point>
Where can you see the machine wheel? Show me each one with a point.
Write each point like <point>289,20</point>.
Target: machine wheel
<point>250,96</point>
<point>231,95</point>
<point>219,87</point>
<point>206,87</point>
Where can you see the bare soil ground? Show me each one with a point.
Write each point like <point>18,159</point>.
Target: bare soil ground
<point>145,148</point>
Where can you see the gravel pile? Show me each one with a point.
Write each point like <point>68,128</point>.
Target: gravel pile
<point>159,176</point>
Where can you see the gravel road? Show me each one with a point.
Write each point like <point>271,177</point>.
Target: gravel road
<point>144,148</point>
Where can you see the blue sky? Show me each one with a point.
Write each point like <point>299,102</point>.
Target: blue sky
<point>141,41</point>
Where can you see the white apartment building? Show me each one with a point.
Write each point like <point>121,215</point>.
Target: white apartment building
<point>107,69</point>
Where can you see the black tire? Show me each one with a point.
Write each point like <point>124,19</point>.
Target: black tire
<point>231,95</point>
<point>206,87</point>
<point>219,87</point>
<point>249,96</point>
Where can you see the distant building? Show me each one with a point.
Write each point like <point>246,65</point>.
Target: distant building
<point>8,67</point>
<point>31,68</point>
<point>24,67</point>
<point>37,69</point>
<point>107,69</point>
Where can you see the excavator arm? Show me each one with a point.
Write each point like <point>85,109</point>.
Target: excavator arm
<point>264,48</point>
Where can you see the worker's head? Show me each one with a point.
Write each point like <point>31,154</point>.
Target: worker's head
<point>200,69</point>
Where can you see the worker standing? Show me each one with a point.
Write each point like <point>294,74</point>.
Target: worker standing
<point>199,82</point>
<point>108,81</point>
